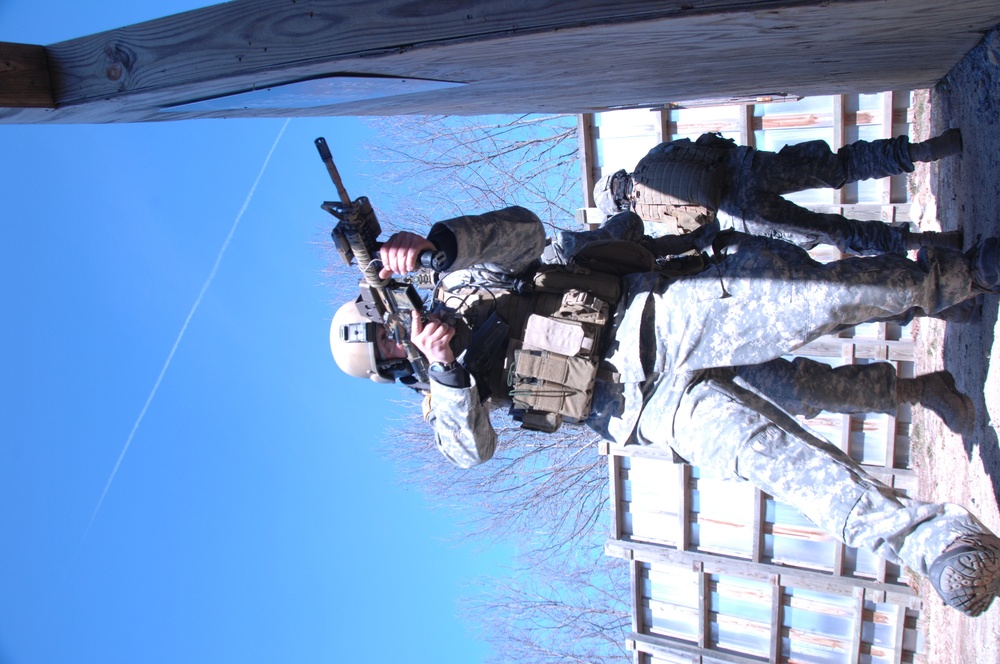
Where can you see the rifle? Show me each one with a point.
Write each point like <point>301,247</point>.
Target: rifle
<point>384,301</point>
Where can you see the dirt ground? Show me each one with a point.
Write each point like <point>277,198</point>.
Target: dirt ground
<point>962,193</point>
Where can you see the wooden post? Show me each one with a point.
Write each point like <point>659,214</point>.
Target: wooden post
<point>587,141</point>
<point>562,56</point>
<point>24,77</point>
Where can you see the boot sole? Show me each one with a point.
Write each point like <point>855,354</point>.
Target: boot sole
<point>967,579</point>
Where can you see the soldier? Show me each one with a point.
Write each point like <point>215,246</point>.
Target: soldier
<point>651,369</point>
<point>683,183</point>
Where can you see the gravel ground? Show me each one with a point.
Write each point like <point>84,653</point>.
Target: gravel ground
<point>962,193</point>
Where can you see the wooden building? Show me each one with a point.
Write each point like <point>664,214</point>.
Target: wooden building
<point>720,571</point>
<point>472,57</point>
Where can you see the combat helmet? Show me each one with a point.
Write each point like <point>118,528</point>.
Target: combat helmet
<point>352,342</point>
<point>611,193</point>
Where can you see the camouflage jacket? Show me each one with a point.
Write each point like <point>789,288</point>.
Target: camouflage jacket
<point>489,251</point>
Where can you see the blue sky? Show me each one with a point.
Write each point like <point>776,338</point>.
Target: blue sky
<point>252,518</point>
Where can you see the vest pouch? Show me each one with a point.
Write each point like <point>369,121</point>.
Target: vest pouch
<point>559,279</point>
<point>561,336</point>
<point>538,421</point>
<point>553,383</point>
<point>614,258</point>
<point>577,373</point>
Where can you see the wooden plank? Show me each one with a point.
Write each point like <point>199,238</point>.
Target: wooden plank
<point>863,348</point>
<point>897,654</point>
<point>667,127</point>
<point>588,156</point>
<point>776,121</point>
<point>885,184</point>
<point>615,495</point>
<point>643,451</point>
<point>683,506</point>
<point>666,647</point>
<point>777,617</point>
<point>857,625</point>
<point>890,420</point>
<point>746,126</point>
<point>847,357</point>
<point>897,593</point>
<point>514,57</point>
<point>635,573</point>
<point>24,77</point>
<point>704,602</point>
<point>839,141</point>
<point>867,211</point>
<point>759,516</point>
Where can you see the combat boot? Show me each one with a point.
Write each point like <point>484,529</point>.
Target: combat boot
<point>985,258</point>
<point>967,574</point>
<point>944,240</point>
<point>937,392</point>
<point>945,145</point>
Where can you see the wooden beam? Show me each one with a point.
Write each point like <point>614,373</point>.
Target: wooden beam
<point>757,532</point>
<point>885,185</point>
<point>704,607</point>
<point>777,617</point>
<point>635,569</point>
<point>615,495</point>
<point>746,122</point>
<point>839,141</point>
<point>24,77</point>
<point>804,578</point>
<point>858,625</point>
<point>588,156</point>
<point>564,56</point>
<point>683,506</point>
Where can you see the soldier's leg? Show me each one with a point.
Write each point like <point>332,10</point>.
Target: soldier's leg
<point>715,430</point>
<point>812,165</point>
<point>805,387</point>
<point>766,298</point>
<point>756,194</point>
<point>969,311</point>
<point>769,215</point>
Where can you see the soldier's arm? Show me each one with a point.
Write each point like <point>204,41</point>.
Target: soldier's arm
<point>506,241</point>
<point>462,429</point>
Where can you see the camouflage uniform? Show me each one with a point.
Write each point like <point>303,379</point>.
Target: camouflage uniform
<point>756,300</point>
<point>750,185</point>
<point>806,387</point>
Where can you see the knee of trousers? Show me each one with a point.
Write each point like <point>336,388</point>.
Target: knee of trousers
<point>824,486</point>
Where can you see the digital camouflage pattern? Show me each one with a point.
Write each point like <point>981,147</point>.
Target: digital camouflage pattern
<point>806,387</point>
<point>673,340</point>
<point>752,184</point>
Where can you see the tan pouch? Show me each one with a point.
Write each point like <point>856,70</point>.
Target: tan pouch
<point>565,337</point>
<point>544,381</point>
<point>576,372</point>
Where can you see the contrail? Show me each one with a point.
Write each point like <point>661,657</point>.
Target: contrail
<point>180,335</point>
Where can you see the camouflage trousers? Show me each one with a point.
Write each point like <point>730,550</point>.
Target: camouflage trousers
<point>767,299</point>
<point>806,387</point>
<point>758,182</point>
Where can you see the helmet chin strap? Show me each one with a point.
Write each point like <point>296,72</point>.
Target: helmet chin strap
<point>397,369</point>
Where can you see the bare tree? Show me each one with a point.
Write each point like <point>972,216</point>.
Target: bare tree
<point>572,612</point>
<point>440,166</point>
<point>547,494</point>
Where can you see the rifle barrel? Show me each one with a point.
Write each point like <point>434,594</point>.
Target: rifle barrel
<point>331,168</point>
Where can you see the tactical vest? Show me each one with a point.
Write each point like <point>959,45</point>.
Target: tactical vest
<point>680,185</point>
<point>547,364</point>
